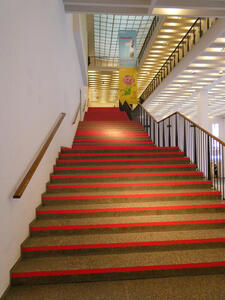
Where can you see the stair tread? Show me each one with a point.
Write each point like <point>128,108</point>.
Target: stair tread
<point>127,192</point>
<point>120,260</point>
<point>129,219</point>
<point>143,183</point>
<point>172,203</point>
<point>51,240</point>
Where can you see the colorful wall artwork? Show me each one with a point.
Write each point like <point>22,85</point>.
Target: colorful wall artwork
<point>128,85</point>
<point>128,70</point>
<point>127,48</point>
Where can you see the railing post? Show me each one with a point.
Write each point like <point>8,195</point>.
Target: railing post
<point>209,166</point>
<point>176,132</point>
<point>163,135</point>
<point>222,171</point>
<point>154,132</point>
<point>195,146</point>
<point>158,135</point>
<point>169,132</point>
<point>185,148</point>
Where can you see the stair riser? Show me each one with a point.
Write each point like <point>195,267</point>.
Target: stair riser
<point>130,213</point>
<point>127,189</point>
<point>120,163</point>
<point>110,230</point>
<point>129,135</point>
<point>130,200</point>
<point>117,276</point>
<point>105,138</point>
<point>125,171</point>
<point>123,250</point>
<point>152,149</point>
<point>140,156</point>
<point>124,179</point>
<point>112,144</point>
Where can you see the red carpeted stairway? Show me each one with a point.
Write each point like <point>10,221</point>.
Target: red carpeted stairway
<point>118,207</point>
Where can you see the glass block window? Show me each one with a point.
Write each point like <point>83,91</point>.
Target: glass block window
<point>106,28</point>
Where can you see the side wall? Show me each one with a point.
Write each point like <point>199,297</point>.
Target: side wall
<point>39,78</point>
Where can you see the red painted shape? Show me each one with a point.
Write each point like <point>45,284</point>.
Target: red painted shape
<point>126,167</point>
<point>129,196</point>
<point>69,186</point>
<point>126,175</point>
<point>122,245</point>
<point>127,225</point>
<point>122,159</point>
<point>116,270</point>
<point>79,211</point>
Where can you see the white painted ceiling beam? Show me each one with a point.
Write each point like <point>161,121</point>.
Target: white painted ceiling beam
<point>135,11</point>
<point>195,4</point>
<point>148,7</point>
<point>218,81</point>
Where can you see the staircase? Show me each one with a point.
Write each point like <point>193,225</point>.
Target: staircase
<point>118,207</point>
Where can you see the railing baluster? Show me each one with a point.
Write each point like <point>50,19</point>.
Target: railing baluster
<point>163,134</point>
<point>222,171</point>
<point>176,133</point>
<point>169,132</point>
<point>204,149</point>
<point>185,148</point>
<point>208,146</point>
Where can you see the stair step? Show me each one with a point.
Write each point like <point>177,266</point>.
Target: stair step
<point>128,224</point>
<point>112,143</point>
<point>113,178</point>
<point>118,155</point>
<point>123,247</point>
<point>88,188</point>
<point>127,211</point>
<point>123,169</point>
<point>118,266</point>
<point>143,196</point>
<point>123,161</point>
<point>115,149</point>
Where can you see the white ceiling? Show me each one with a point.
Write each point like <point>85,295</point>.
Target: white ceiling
<point>205,71</point>
<point>148,7</point>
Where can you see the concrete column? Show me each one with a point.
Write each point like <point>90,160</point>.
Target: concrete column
<point>202,109</point>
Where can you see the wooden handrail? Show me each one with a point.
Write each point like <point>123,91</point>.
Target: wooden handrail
<point>204,130</point>
<point>29,174</point>
<point>148,113</point>
<point>189,120</point>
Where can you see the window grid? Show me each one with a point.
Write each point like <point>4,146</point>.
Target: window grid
<point>106,29</point>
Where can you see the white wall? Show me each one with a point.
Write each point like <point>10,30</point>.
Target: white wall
<point>39,78</point>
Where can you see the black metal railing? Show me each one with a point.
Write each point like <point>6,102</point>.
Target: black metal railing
<point>204,149</point>
<point>200,26</point>
<point>148,37</point>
